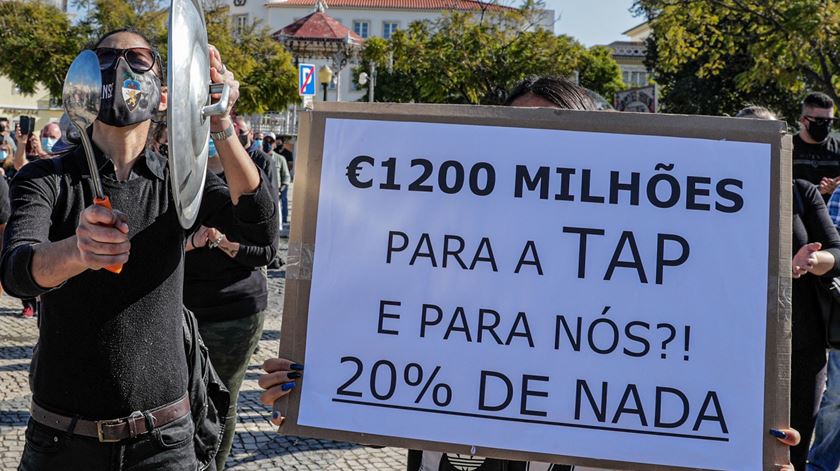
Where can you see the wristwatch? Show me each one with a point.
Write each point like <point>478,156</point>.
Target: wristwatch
<point>223,134</point>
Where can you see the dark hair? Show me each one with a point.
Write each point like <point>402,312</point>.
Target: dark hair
<point>557,90</point>
<point>817,100</point>
<point>756,112</point>
<point>3,118</point>
<point>95,45</point>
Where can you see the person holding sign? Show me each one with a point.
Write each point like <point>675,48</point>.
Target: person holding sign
<point>316,402</point>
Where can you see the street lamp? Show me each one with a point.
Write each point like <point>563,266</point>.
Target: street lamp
<point>325,76</point>
<point>364,78</point>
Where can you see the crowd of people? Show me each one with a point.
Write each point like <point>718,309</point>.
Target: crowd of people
<point>112,391</point>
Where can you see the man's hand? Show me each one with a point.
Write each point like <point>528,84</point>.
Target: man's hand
<point>828,185</point>
<point>805,259</point>
<point>102,237</point>
<point>220,74</point>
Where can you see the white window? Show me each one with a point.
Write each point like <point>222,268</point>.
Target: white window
<point>240,22</point>
<point>625,76</point>
<point>388,28</point>
<point>361,27</point>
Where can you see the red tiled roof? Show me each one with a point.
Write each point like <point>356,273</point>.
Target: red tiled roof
<point>318,25</point>
<point>396,4</point>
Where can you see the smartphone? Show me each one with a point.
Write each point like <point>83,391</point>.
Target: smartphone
<point>27,125</point>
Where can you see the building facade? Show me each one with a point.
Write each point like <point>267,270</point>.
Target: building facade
<point>367,18</point>
<point>630,56</point>
<point>14,104</point>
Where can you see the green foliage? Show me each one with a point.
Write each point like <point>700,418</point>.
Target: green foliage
<point>476,59</point>
<point>600,72</point>
<point>768,53</point>
<point>39,43</point>
<point>267,78</point>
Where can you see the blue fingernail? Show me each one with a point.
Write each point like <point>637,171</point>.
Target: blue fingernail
<point>275,415</point>
<point>296,367</point>
<point>778,433</point>
<point>287,386</point>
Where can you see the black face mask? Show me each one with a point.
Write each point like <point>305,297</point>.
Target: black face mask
<point>243,139</point>
<point>128,97</point>
<point>819,130</point>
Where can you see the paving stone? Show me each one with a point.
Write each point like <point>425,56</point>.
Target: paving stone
<point>257,444</point>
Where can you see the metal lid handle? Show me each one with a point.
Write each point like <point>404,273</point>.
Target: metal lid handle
<point>220,107</point>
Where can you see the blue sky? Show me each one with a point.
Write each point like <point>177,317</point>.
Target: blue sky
<point>593,22</point>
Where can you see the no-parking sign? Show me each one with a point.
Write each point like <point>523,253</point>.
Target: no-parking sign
<point>306,80</point>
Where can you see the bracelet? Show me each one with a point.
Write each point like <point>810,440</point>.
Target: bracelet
<point>223,134</point>
<point>192,240</point>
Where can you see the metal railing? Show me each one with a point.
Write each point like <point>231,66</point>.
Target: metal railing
<point>278,122</point>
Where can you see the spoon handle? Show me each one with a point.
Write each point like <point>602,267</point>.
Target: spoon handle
<point>105,202</point>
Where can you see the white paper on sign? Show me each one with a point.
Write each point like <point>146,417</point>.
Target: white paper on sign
<point>573,293</point>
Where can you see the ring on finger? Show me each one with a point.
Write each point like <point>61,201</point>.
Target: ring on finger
<point>223,69</point>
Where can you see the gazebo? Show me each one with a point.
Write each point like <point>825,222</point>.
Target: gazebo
<point>320,36</point>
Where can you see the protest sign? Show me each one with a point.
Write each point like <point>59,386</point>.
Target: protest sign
<point>594,288</point>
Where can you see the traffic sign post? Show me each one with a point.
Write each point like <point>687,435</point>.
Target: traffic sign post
<point>306,80</point>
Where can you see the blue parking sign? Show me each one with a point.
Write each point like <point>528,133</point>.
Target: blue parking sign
<point>306,79</point>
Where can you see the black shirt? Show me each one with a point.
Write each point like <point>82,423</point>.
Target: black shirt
<point>113,344</point>
<point>5,208</point>
<point>217,287</point>
<point>288,155</point>
<point>812,162</point>
<point>811,223</point>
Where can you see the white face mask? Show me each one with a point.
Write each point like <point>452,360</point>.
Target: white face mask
<point>2,155</point>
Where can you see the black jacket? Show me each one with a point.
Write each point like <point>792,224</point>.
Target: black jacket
<point>208,396</point>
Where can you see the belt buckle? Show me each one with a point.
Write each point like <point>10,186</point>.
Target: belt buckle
<point>100,434</point>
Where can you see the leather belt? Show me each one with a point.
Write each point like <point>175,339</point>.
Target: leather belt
<point>114,430</point>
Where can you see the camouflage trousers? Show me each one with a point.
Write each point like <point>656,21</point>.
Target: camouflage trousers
<point>231,344</point>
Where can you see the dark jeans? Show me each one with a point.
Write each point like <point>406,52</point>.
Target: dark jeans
<point>825,454</point>
<point>806,387</point>
<point>230,344</point>
<point>169,447</point>
<point>284,205</point>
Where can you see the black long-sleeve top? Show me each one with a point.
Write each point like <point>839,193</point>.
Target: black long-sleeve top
<point>113,344</point>
<point>813,162</point>
<point>218,287</point>
<point>811,223</point>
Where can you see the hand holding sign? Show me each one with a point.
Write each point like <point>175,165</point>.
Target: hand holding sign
<point>278,381</point>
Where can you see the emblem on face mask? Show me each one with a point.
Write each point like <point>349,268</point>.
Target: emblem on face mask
<point>132,94</point>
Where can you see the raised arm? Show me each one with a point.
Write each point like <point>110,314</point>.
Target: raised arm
<point>241,174</point>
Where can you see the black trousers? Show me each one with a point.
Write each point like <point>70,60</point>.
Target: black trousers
<point>169,447</point>
<point>807,382</point>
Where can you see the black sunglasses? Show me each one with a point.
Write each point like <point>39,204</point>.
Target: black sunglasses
<point>140,59</point>
<point>820,121</point>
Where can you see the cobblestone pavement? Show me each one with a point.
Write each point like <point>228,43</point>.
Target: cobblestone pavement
<point>257,444</point>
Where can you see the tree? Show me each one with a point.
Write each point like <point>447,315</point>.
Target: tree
<point>478,58</point>
<point>600,72</point>
<point>40,43</point>
<point>267,78</point>
<point>750,49</point>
